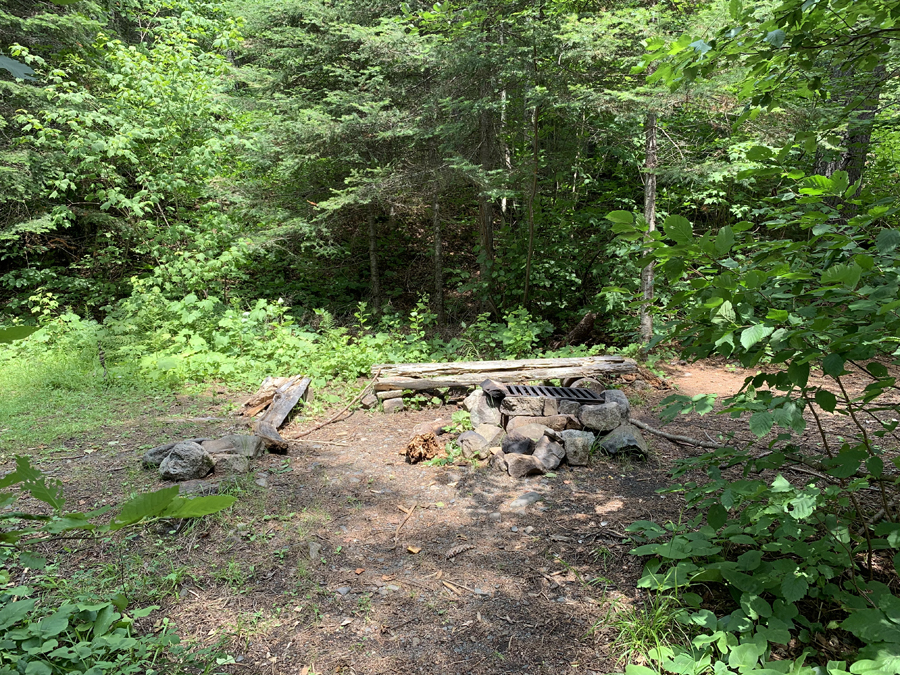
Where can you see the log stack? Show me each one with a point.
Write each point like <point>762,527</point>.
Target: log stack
<point>419,376</point>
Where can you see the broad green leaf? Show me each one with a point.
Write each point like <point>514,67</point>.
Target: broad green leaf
<point>13,612</point>
<point>793,587</point>
<point>761,423</point>
<point>833,365</point>
<point>724,240</point>
<point>798,373</point>
<point>887,241</point>
<point>623,217</point>
<point>847,274</point>
<point>752,335</point>
<point>716,516</point>
<point>38,668</point>
<point>743,656</point>
<point>196,507</point>
<point>826,400</point>
<point>776,38</point>
<point>144,506</point>
<point>679,229</point>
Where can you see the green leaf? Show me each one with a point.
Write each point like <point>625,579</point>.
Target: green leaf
<point>798,373</point>
<point>144,506</point>
<point>632,669</point>
<point>751,336</point>
<point>761,423</point>
<point>724,240</point>
<point>13,612</point>
<point>833,365</point>
<point>716,516</point>
<point>826,400</point>
<point>33,562</point>
<point>846,274</point>
<point>793,587</point>
<point>679,229</point>
<point>623,217</point>
<point>743,656</point>
<point>38,667</point>
<point>776,38</point>
<point>197,507</point>
<point>887,241</point>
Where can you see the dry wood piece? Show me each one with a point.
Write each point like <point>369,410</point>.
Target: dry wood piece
<point>675,437</point>
<point>418,376</point>
<point>263,396</point>
<point>456,550</point>
<point>423,447</point>
<point>283,401</point>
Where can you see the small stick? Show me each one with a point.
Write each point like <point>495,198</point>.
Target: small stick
<point>402,523</point>
<point>349,405</point>
<point>675,437</point>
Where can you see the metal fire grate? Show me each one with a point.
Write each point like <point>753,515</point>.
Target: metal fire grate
<point>560,393</point>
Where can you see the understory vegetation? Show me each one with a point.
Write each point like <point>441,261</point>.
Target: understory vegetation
<point>203,192</point>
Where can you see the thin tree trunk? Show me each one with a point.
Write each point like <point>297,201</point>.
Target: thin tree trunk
<point>530,209</point>
<point>486,212</point>
<point>438,264</point>
<point>375,285</point>
<point>650,165</point>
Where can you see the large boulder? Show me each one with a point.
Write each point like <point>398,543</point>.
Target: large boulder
<point>602,417</point>
<point>618,397</point>
<point>473,445</point>
<point>236,444</point>
<point>482,409</point>
<point>548,453</point>
<point>520,466</point>
<point>186,461</point>
<point>625,439</point>
<point>569,408</point>
<point>555,422</point>
<point>513,406</point>
<point>590,384</point>
<point>154,457</point>
<point>578,446</point>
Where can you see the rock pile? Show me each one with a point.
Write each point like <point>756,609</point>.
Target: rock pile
<point>531,435</point>
<point>198,457</point>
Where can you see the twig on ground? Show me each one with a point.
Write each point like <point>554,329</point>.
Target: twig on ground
<point>332,419</point>
<point>675,437</point>
<point>402,523</point>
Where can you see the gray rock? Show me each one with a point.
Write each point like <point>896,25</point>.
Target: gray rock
<point>532,431</point>
<point>551,407</point>
<point>556,422</point>
<point>491,433</point>
<point>153,458</point>
<point>393,405</point>
<point>343,590</point>
<point>482,409</point>
<point>236,444</point>
<point>590,384</point>
<point>227,464</point>
<point>533,406</point>
<point>498,461</point>
<point>473,445</point>
<point>186,461</point>
<point>626,438</point>
<point>199,488</point>
<point>369,401</point>
<point>569,408</point>
<point>386,395</point>
<point>578,446</point>
<point>315,551</point>
<point>603,417</point>
<point>619,397</point>
<point>262,480</point>
<point>496,516</point>
<point>526,499</point>
<point>517,445</point>
<point>521,466</point>
<point>549,453</point>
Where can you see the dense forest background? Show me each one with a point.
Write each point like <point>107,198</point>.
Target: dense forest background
<point>457,161</point>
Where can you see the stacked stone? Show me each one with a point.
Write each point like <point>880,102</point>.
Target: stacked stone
<point>541,433</point>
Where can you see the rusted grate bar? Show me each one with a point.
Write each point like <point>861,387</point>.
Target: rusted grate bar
<point>560,393</point>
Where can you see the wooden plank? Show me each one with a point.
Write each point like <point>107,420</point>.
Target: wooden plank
<point>286,397</point>
<point>463,367</point>
<point>518,377</point>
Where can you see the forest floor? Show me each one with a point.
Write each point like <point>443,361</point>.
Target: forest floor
<point>335,557</point>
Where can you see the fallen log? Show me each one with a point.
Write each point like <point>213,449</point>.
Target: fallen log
<point>580,364</point>
<point>387,383</point>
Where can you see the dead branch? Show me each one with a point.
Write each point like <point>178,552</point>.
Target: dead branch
<point>349,405</point>
<point>675,437</point>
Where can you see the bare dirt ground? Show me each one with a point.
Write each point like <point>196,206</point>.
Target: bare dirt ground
<point>335,557</point>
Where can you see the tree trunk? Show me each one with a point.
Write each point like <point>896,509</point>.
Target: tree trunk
<point>438,265</point>
<point>530,207</point>
<point>650,165</point>
<point>375,286</point>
